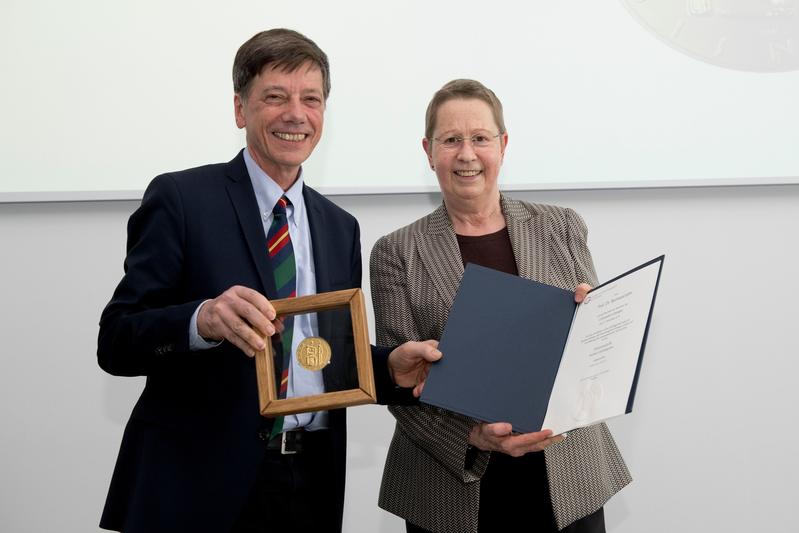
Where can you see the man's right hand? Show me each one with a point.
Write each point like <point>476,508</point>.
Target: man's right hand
<point>239,315</point>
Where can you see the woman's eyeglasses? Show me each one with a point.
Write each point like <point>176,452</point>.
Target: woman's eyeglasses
<point>478,140</point>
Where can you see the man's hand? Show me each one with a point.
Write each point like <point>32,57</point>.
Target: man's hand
<point>409,363</point>
<point>239,315</point>
<point>498,437</point>
<point>580,292</point>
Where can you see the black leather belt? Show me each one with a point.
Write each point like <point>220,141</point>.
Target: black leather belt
<point>297,441</point>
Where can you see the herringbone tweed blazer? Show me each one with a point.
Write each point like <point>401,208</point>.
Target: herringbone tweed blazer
<point>415,273</point>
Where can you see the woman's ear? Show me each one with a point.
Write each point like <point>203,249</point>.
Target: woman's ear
<point>503,144</point>
<point>428,149</point>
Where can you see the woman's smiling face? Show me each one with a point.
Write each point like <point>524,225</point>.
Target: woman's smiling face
<point>469,169</point>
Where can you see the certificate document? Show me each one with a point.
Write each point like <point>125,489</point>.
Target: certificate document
<point>599,369</point>
<point>523,352</point>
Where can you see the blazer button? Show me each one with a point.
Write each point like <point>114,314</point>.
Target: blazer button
<point>264,435</point>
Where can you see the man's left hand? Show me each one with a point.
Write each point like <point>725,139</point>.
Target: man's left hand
<point>409,363</point>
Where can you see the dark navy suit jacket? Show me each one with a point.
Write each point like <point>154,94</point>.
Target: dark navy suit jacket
<point>191,450</point>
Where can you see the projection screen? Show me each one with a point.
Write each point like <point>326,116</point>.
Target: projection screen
<point>98,97</point>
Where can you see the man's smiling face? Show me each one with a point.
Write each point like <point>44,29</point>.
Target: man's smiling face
<point>283,113</point>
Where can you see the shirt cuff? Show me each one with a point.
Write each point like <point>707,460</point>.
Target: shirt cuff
<point>196,342</point>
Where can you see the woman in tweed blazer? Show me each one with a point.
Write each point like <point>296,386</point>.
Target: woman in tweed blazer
<point>439,461</point>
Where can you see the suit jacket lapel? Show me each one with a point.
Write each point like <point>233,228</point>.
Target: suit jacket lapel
<point>319,245</point>
<point>242,196</point>
<point>319,240</point>
<point>440,254</point>
<point>334,374</point>
<point>529,238</point>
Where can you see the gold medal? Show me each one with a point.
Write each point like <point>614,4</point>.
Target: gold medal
<point>313,353</point>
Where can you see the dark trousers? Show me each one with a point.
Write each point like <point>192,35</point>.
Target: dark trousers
<point>294,492</point>
<point>514,496</point>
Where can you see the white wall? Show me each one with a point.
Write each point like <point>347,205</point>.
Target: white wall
<point>607,91</point>
<point>712,442</point>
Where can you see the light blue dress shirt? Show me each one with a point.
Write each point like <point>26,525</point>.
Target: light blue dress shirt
<point>302,382</point>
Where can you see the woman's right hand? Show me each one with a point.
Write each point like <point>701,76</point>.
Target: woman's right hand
<point>499,437</point>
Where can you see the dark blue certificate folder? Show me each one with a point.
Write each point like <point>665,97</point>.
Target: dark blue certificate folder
<point>503,369</point>
<point>502,347</point>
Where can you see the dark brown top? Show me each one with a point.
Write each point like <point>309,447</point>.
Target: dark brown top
<point>492,251</point>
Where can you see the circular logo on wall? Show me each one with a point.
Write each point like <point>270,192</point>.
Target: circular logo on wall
<point>752,35</point>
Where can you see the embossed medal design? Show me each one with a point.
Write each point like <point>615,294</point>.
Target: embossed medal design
<point>587,402</point>
<point>313,353</point>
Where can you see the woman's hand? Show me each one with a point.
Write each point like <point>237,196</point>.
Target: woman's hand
<point>580,292</point>
<point>499,437</point>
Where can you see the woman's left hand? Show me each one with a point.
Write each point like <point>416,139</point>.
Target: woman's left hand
<point>580,292</point>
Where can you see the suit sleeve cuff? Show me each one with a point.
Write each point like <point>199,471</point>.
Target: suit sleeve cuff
<point>196,342</point>
<point>388,393</point>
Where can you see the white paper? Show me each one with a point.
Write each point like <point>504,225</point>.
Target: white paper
<point>598,365</point>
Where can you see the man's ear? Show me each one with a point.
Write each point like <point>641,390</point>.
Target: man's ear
<point>238,111</point>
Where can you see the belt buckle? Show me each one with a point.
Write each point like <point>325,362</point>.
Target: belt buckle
<point>283,449</point>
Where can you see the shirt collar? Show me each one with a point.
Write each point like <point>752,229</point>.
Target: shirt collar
<point>267,192</point>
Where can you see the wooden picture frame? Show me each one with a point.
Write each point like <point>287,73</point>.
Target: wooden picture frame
<point>271,405</point>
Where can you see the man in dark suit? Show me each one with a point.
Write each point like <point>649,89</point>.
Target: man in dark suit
<point>193,307</point>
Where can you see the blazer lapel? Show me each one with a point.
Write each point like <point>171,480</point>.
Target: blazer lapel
<point>242,196</point>
<point>319,240</point>
<point>337,373</point>
<point>319,245</point>
<point>529,238</point>
<point>440,255</point>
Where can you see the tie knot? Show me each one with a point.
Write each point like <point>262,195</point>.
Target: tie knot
<point>280,206</point>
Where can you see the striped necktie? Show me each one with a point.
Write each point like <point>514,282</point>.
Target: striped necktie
<point>281,256</point>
